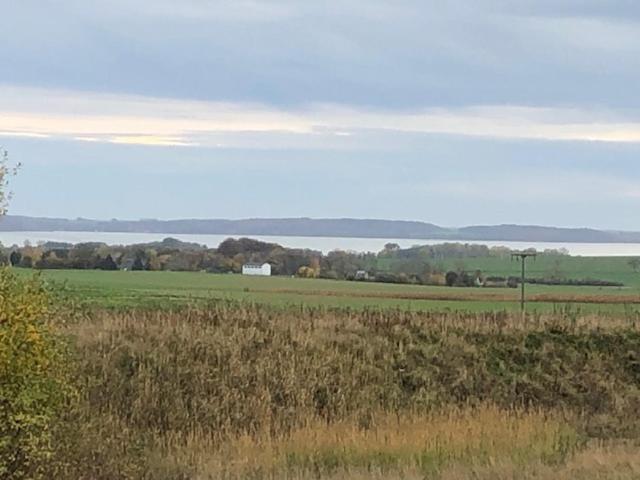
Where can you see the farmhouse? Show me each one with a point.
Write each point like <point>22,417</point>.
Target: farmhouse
<point>256,269</point>
<point>361,275</point>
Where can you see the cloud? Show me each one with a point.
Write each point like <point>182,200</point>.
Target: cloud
<point>444,179</point>
<point>413,104</point>
<point>199,11</point>
<point>174,122</point>
<point>626,10</point>
<point>151,140</point>
<point>372,54</point>
<point>19,134</point>
<point>532,185</point>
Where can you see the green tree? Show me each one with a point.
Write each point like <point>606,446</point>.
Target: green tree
<point>390,248</point>
<point>107,263</point>
<point>451,278</point>
<point>140,261</point>
<point>15,258</point>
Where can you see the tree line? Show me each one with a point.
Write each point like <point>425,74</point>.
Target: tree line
<point>419,264</point>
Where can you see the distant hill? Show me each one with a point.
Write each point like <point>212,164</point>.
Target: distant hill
<point>545,234</point>
<point>309,227</point>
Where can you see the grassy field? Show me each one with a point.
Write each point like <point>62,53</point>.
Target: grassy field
<point>127,289</point>
<point>245,388</point>
<point>196,376</point>
<point>614,269</point>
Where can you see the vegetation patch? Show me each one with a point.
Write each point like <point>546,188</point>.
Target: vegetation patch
<point>35,380</point>
<point>239,390</point>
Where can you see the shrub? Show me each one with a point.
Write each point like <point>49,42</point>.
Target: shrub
<point>33,379</point>
<point>451,279</point>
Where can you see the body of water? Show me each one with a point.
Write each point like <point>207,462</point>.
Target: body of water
<point>324,244</point>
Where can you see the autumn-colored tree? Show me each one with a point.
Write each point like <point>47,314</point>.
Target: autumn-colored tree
<point>307,272</point>
<point>33,382</point>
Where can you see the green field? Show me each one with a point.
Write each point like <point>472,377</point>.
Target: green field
<point>614,269</point>
<point>146,289</point>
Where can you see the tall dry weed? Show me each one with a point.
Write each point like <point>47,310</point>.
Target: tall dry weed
<point>244,391</point>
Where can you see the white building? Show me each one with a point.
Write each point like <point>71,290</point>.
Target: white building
<point>256,269</point>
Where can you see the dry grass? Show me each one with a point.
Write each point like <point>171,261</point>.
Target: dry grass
<point>611,461</point>
<point>245,391</point>
<point>408,445</point>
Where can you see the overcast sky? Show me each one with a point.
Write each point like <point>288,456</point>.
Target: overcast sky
<point>453,112</point>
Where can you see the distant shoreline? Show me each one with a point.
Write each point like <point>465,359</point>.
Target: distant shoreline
<point>330,228</point>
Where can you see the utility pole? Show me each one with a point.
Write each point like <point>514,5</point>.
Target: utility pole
<point>523,260</point>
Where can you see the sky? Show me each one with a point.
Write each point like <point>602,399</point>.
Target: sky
<point>451,112</point>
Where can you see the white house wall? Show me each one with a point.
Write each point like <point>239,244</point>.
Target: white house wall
<point>264,270</point>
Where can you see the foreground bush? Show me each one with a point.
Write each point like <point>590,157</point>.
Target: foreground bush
<point>33,377</point>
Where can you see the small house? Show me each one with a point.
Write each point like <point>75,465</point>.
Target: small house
<point>361,275</point>
<point>256,269</point>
